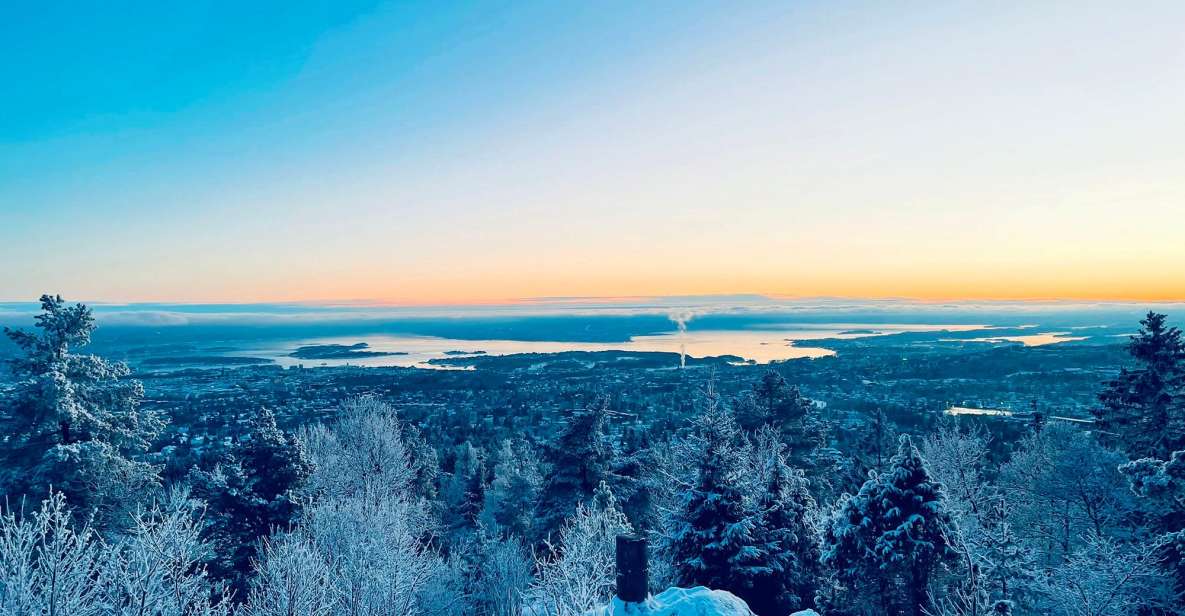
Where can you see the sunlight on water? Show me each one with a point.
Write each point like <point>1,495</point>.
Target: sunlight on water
<point>1030,339</point>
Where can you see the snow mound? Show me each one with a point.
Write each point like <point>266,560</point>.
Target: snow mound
<point>698,601</point>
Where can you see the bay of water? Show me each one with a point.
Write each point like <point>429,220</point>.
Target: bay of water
<point>760,346</point>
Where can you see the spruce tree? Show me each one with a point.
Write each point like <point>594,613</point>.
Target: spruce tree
<point>849,551</point>
<point>892,535</point>
<point>788,533</point>
<point>579,460</point>
<point>916,524</point>
<point>73,421</point>
<point>1143,409</point>
<point>274,459</point>
<point>1163,484</point>
<point>257,488</point>
<point>774,402</point>
<point>511,498</point>
<point>713,536</point>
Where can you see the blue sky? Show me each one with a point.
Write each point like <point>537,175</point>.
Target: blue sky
<point>474,152</point>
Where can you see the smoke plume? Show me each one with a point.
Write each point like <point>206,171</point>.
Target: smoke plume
<point>681,319</point>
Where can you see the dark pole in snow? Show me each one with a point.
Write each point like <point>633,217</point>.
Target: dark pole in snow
<point>632,569</point>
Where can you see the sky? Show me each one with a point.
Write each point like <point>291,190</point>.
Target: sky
<point>482,152</point>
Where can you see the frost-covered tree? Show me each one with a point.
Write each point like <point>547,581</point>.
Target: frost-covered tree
<point>982,533</point>
<point>1006,564</point>
<point>578,573</point>
<point>499,572</point>
<point>788,533</point>
<point>463,492</point>
<point>713,536</point>
<point>1143,409</point>
<point>956,460</point>
<point>74,421</point>
<point>157,568</point>
<point>578,459</point>
<point>1102,577</point>
<point>1162,484</point>
<point>1064,486</point>
<point>364,447</point>
<point>257,488</point>
<point>888,539</point>
<point>48,565</point>
<point>362,554</point>
<point>513,494</point>
<point>365,544</point>
<point>292,578</point>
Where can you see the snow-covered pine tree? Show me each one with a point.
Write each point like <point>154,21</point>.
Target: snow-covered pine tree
<point>258,487</point>
<point>74,421</point>
<point>862,585</point>
<point>464,490</point>
<point>788,533</point>
<point>578,460</point>
<point>890,536</point>
<point>713,535</point>
<point>1143,409</point>
<point>916,524</point>
<point>1163,484</point>
<point>511,498</point>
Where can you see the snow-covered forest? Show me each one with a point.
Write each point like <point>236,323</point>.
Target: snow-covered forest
<point>365,513</point>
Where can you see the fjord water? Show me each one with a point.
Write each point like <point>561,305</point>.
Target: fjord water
<point>758,345</point>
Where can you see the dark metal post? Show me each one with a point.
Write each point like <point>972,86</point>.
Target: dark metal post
<point>633,571</point>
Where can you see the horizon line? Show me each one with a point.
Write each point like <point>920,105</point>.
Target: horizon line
<point>578,300</point>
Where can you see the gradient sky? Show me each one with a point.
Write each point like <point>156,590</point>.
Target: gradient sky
<point>481,151</point>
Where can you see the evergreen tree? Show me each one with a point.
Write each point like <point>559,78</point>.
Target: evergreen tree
<point>579,460</point>
<point>464,492</point>
<point>1163,484</point>
<point>1143,409</point>
<point>274,459</point>
<point>258,488</point>
<point>630,469</point>
<point>891,535</point>
<point>73,421</point>
<point>774,402</point>
<point>713,536</point>
<point>511,498</point>
<point>916,523</point>
<point>788,533</point>
<point>849,539</point>
<point>1007,563</point>
<point>422,458</point>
